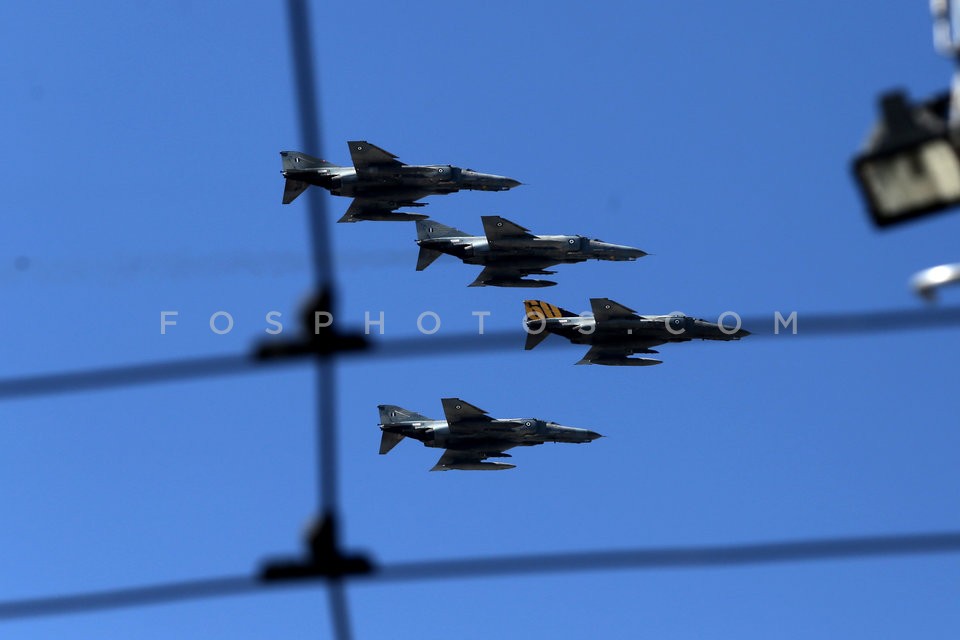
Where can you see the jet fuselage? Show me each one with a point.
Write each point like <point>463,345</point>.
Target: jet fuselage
<point>631,333</point>
<point>402,183</point>
<point>489,435</point>
<point>535,252</point>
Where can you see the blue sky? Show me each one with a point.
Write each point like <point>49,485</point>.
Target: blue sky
<point>142,174</point>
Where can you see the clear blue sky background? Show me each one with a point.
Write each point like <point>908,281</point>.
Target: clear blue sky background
<point>140,174</point>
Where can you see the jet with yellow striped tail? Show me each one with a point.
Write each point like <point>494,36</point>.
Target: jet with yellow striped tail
<point>469,436</point>
<point>615,332</point>
<point>509,253</point>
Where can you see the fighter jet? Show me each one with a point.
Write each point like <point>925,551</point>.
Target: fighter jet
<point>379,183</point>
<point>615,332</point>
<point>470,436</point>
<point>509,252</point>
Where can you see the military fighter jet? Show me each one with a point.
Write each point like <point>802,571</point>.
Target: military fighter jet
<point>509,252</point>
<point>616,332</point>
<point>379,183</point>
<point>470,436</point>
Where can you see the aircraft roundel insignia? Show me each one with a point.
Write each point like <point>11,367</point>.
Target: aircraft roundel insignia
<point>459,407</point>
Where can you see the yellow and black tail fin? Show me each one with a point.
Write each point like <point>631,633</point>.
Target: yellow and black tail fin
<point>537,312</point>
<point>539,309</point>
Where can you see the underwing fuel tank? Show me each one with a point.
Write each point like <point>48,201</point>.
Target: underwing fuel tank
<point>623,362</point>
<point>477,466</point>
<point>528,284</point>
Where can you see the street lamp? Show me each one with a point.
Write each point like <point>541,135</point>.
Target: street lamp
<point>925,283</point>
<point>910,166</point>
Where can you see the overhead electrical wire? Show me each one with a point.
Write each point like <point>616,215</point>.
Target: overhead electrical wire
<point>301,50</point>
<point>640,559</point>
<point>812,325</point>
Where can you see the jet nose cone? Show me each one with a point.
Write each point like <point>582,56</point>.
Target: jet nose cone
<point>727,332</point>
<point>609,251</point>
<point>471,179</point>
<point>593,435</point>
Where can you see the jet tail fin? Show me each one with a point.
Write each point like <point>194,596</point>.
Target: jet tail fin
<point>296,161</point>
<point>426,257</point>
<point>293,188</point>
<point>533,339</point>
<point>429,229</point>
<point>389,441</point>
<point>392,414</point>
<point>537,309</point>
<point>537,312</point>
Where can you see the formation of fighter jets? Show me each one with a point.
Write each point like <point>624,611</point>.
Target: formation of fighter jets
<point>380,185</point>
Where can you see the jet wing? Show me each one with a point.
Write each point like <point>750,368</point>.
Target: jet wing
<point>607,309</point>
<point>604,352</point>
<point>366,156</point>
<point>470,460</point>
<point>372,209</point>
<point>611,355</point>
<point>491,274</point>
<point>456,410</point>
<point>510,277</point>
<point>497,228</point>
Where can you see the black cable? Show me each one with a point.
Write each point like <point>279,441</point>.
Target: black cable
<point>814,325</point>
<point>310,127</point>
<point>339,608</point>
<point>712,556</point>
<point>674,557</point>
<point>301,49</point>
<point>130,597</point>
<point>808,325</point>
<point>858,323</point>
<point>308,108</point>
<point>131,375</point>
<point>327,436</point>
